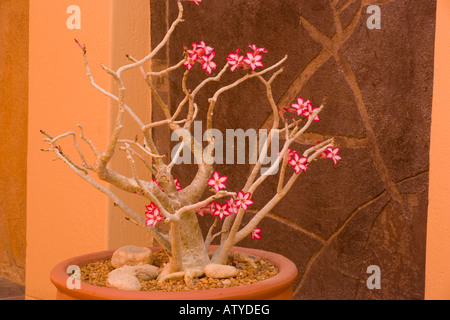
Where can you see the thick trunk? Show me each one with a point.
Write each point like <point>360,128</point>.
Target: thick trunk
<point>192,245</point>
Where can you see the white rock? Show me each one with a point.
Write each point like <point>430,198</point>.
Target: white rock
<point>127,277</point>
<point>123,280</point>
<point>146,272</point>
<point>131,255</point>
<point>220,271</point>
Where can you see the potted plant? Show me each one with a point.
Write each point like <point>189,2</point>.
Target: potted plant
<point>180,207</point>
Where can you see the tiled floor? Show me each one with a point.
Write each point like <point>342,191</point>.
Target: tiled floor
<point>11,291</point>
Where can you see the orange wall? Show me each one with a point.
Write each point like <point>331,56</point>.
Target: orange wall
<point>437,284</point>
<point>13,130</point>
<point>131,35</point>
<point>65,215</point>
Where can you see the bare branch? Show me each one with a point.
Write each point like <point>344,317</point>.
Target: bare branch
<point>147,193</point>
<point>210,237</point>
<point>159,46</point>
<point>52,142</point>
<point>147,164</point>
<point>145,149</point>
<point>89,142</point>
<point>213,100</point>
<point>130,213</point>
<point>165,71</point>
<point>204,203</point>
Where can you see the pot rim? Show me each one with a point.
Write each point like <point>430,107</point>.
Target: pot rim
<point>286,276</point>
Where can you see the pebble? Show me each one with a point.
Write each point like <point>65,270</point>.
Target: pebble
<point>96,273</point>
<point>122,280</point>
<point>226,283</point>
<point>127,277</point>
<point>220,271</point>
<point>131,255</point>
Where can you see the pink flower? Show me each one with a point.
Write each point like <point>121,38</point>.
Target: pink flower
<point>232,206</point>
<point>290,153</point>
<point>298,163</point>
<point>151,207</point>
<point>200,50</point>
<point>301,106</point>
<point>208,64</point>
<point>153,214</point>
<point>193,50</point>
<point>209,208</point>
<point>203,49</point>
<point>197,2</point>
<point>235,60</point>
<point>309,112</point>
<point>221,210</point>
<point>253,60</point>
<point>201,211</point>
<point>257,50</point>
<point>217,182</point>
<point>191,61</point>
<point>333,154</point>
<point>256,234</point>
<point>243,200</point>
<point>177,184</point>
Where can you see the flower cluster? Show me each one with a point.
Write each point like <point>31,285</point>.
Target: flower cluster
<point>252,59</point>
<point>331,153</point>
<point>231,206</point>
<point>299,163</point>
<point>303,108</point>
<point>203,54</point>
<point>153,214</point>
<point>295,161</point>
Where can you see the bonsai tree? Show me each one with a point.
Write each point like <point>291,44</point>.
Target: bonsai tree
<point>180,208</point>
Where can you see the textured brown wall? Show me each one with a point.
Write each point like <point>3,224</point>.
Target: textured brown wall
<point>13,133</point>
<point>370,209</point>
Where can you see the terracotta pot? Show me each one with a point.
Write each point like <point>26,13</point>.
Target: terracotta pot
<point>278,287</point>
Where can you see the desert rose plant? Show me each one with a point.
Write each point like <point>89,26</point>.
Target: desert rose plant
<point>181,207</point>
